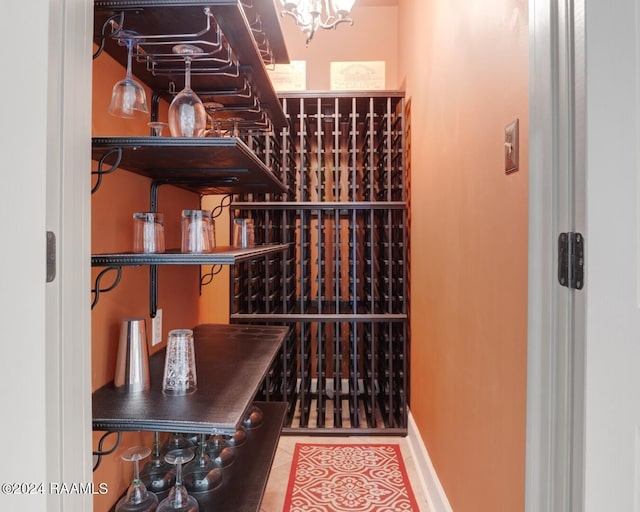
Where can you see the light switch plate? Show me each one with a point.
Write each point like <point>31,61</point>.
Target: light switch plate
<point>156,328</point>
<point>511,147</point>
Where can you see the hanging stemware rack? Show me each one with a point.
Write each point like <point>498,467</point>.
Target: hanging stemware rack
<point>237,42</point>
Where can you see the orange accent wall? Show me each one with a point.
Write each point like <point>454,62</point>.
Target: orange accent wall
<point>121,194</point>
<point>465,68</point>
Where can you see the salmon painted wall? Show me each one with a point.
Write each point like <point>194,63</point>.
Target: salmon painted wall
<point>465,68</point>
<point>121,194</point>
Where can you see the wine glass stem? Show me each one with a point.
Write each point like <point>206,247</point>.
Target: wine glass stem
<point>136,470</point>
<point>187,73</point>
<point>156,444</point>
<point>129,55</point>
<point>179,474</point>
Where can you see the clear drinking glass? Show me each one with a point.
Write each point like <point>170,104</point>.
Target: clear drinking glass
<point>179,364</point>
<point>138,498</point>
<point>243,233</point>
<point>128,98</point>
<point>179,499</point>
<point>198,233</point>
<point>187,116</point>
<point>148,232</point>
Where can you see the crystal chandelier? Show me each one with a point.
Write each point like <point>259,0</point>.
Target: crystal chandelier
<point>313,14</point>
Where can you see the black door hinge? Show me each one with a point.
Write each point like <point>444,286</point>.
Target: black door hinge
<point>571,260</point>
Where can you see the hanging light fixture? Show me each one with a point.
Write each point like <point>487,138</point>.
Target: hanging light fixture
<point>313,14</point>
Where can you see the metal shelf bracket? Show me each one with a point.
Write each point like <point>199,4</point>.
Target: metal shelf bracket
<point>100,172</point>
<point>97,290</point>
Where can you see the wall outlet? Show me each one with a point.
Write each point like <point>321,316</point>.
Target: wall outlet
<point>156,328</point>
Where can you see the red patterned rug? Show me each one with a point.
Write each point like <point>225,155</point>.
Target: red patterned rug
<point>348,478</point>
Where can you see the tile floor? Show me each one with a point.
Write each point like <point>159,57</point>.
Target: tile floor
<point>273,500</point>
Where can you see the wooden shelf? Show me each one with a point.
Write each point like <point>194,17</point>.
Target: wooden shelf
<point>231,362</point>
<point>206,165</point>
<point>219,256</point>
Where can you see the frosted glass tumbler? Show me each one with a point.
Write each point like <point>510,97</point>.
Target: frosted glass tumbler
<point>198,234</point>
<point>179,364</point>
<point>148,232</point>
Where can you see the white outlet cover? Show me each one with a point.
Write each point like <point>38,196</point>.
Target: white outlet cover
<point>156,328</point>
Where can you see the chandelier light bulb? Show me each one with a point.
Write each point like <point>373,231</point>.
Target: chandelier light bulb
<point>290,5</point>
<point>315,8</point>
<point>343,7</point>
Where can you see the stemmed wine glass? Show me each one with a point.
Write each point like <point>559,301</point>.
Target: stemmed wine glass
<point>157,474</point>
<point>176,441</point>
<point>128,98</point>
<point>179,499</point>
<point>138,498</point>
<point>187,116</point>
<point>236,126</point>
<point>156,128</point>
<point>202,474</point>
<point>210,108</point>
<point>221,452</point>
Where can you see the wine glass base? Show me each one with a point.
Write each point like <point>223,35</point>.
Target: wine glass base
<point>160,480</point>
<point>190,505</point>
<point>187,49</point>
<point>200,481</point>
<point>148,505</point>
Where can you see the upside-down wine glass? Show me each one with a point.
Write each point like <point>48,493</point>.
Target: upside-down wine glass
<point>157,474</point>
<point>210,108</point>
<point>179,499</point>
<point>156,128</point>
<point>137,498</point>
<point>202,474</point>
<point>236,126</point>
<point>128,98</point>
<point>176,441</point>
<point>187,116</point>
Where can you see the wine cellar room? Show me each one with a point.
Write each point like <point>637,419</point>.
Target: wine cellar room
<point>401,277</point>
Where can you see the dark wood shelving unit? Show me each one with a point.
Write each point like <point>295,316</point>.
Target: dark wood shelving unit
<point>231,362</point>
<point>239,40</point>
<point>205,165</point>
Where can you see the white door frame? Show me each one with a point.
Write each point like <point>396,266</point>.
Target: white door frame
<point>68,317</point>
<point>555,359</point>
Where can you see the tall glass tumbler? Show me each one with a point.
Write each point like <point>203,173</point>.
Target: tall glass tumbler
<point>197,231</point>
<point>179,364</point>
<point>148,232</point>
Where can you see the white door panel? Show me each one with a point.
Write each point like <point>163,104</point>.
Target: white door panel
<point>613,209</point>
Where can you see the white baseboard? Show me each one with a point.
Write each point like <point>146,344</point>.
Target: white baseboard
<point>436,497</point>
